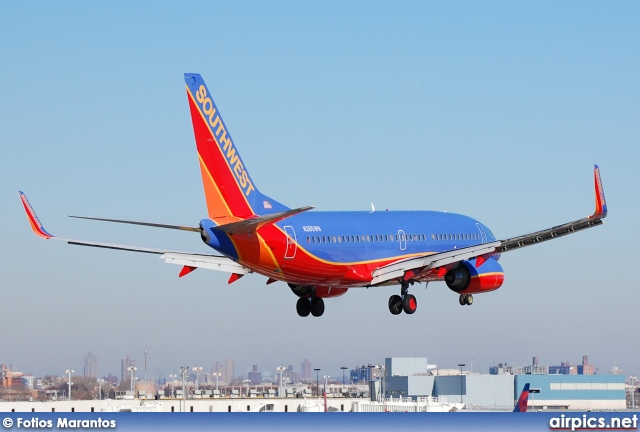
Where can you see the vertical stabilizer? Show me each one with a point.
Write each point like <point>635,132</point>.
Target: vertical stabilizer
<point>229,190</point>
<point>521,406</point>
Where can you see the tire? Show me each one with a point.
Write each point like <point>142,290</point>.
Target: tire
<point>395,304</point>
<point>462,300</point>
<point>303,307</point>
<point>468,299</point>
<point>317,306</point>
<point>409,304</point>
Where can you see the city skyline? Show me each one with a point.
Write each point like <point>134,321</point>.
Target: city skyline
<point>551,366</point>
<point>495,110</point>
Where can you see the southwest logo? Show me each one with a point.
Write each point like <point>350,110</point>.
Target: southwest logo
<point>225,143</point>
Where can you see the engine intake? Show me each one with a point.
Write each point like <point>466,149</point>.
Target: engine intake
<point>458,278</point>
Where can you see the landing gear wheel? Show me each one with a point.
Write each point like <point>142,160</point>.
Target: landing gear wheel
<point>462,300</point>
<point>409,304</point>
<point>468,299</point>
<point>303,307</point>
<point>395,304</point>
<point>317,306</point>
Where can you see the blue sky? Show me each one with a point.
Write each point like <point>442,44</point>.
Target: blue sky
<point>497,110</point>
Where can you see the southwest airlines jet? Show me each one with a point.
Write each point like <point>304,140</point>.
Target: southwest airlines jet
<point>323,254</point>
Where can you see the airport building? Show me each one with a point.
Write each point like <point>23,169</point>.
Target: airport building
<point>581,392</point>
<point>414,378</point>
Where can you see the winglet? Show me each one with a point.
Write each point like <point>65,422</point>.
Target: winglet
<point>36,226</point>
<point>601,203</point>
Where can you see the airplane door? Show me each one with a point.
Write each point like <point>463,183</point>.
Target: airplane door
<point>292,246</point>
<point>403,239</point>
<point>483,235</point>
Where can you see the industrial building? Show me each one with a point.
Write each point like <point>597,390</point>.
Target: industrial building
<point>413,377</point>
<point>581,392</point>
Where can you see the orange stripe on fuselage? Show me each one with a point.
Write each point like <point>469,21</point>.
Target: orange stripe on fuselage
<point>305,268</point>
<point>217,165</point>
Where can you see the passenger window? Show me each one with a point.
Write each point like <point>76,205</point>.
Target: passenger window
<point>308,241</point>
<point>334,239</point>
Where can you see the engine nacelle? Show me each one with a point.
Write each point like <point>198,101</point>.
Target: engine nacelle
<point>467,279</point>
<point>458,278</point>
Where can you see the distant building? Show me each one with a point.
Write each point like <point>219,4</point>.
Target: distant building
<point>90,365</point>
<point>585,368</point>
<point>124,364</point>
<point>254,376</point>
<point>305,371</point>
<point>536,368</point>
<point>228,373</point>
<point>290,376</point>
<point>501,369</point>
<point>361,374</point>
<point>564,369</point>
<point>29,382</point>
<point>9,378</point>
<point>111,379</point>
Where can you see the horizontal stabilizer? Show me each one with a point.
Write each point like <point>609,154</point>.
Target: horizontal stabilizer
<point>252,225</point>
<point>151,224</point>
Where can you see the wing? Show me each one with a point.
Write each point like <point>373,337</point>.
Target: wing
<point>561,230</point>
<point>408,269</point>
<point>190,260</point>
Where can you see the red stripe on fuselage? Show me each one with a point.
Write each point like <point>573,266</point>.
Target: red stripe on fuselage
<point>304,268</point>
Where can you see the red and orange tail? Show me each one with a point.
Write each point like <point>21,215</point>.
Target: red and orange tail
<point>230,192</point>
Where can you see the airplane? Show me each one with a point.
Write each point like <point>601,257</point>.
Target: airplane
<point>323,254</point>
<point>523,400</point>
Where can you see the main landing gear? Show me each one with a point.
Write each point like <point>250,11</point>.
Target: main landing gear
<point>466,299</point>
<point>406,302</point>
<point>315,306</point>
